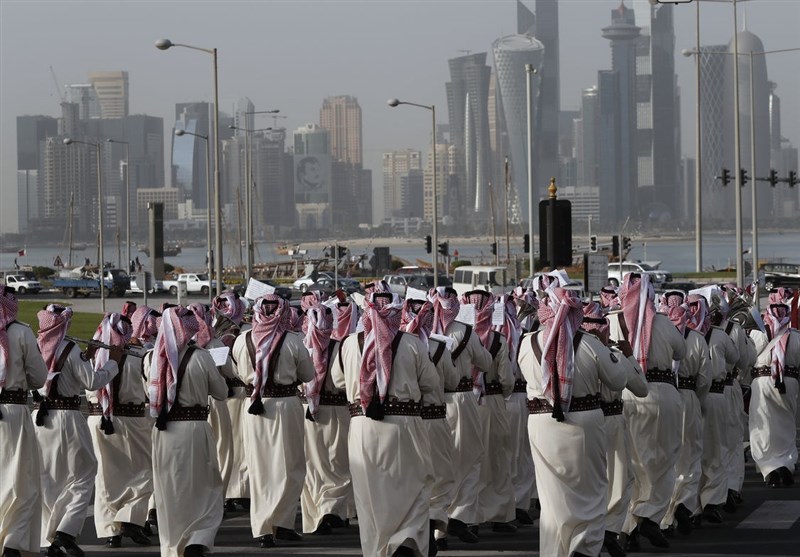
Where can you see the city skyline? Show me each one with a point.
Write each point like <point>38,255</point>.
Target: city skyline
<point>161,82</point>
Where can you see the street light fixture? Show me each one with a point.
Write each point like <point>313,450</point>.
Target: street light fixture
<point>101,255</point>
<point>435,251</point>
<point>164,44</point>
<point>127,197</point>
<point>209,258</point>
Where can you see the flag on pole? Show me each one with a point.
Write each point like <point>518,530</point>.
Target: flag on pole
<point>21,253</point>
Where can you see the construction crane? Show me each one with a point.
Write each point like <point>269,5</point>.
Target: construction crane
<point>466,52</point>
<point>275,120</point>
<point>58,87</point>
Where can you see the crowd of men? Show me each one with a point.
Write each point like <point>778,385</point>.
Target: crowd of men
<point>612,420</point>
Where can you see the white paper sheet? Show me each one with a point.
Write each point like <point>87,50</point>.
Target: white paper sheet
<point>416,294</point>
<point>220,355</point>
<point>499,312</point>
<point>466,314</point>
<point>447,340</point>
<point>257,289</point>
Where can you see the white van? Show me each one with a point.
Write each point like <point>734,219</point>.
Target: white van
<point>480,277</point>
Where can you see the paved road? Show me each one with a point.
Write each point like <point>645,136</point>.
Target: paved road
<point>767,524</point>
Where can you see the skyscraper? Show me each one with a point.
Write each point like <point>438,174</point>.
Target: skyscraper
<point>658,144</point>
<point>467,103</point>
<point>587,141</point>
<point>188,151</point>
<point>341,116</point>
<point>84,95</point>
<point>312,177</point>
<point>549,93</point>
<point>511,54</point>
<point>112,92</point>
<point>713,115</point>
<point>618,193</point>
<point>397,201</point>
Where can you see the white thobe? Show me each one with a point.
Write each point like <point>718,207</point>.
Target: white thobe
<point>20,492</point>
<point>327,488</point>
<point>465,426</point>
<point>238,482</point>
<point>186,478</point>
<point>389,459</point>
<point>734,432</point>
<point>219,418</point>
<point>618,452</point>
<point>570,456</point>
<point>654,424</point>
<point>68,462</point>
<point>496,501</point>
<point>695,365</point>
<point>124,480</point>
<point>713,479</point>
<point>275,456</point>
<point>772,414</point>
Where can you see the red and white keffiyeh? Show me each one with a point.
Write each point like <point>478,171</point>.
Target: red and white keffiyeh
<point>609,297</point>
<point>560,320</point>
<point>671,304</point>
<point>114,330</point>
<point>308,300</point>
<point>527,306</point>
<point>484,306</point>
<point>382,317</point>
<point>230,305</point>
<point>8,314</point>
<point>777,318</point>
<point>128,308</point>
<point>346,321</point>
<point>145,321</point>
<point>204,333</point>
<point>511,328</point>
<point>319,326</point>
<point>638,310</point>
<point>595,320</point>
<point>445,308</point>
<point>419,322</point>
<point>698,319</point>
<point>780,295</point>
<point>178,326</point>
<point>271,319</point>
<point>54,322</point>
<point>296,319</point>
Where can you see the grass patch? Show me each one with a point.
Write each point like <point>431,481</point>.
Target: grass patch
<point>83,324</point>
<point>707,275</point>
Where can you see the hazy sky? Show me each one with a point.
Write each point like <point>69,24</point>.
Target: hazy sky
<point>291,54</point>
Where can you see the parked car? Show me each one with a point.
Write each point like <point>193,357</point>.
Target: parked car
<point>479,277</point>
<point>196,283</point>
<point>22,283</point>
<point>658,277</point>
<point>303,283</point>
<point>281,290</point>
<point>328,285</point>
<point>777,275</point>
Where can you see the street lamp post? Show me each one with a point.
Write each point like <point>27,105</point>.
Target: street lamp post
<point>530,71</point>
<point>180,133</point>
<point>164,44</point>
<point>101,263</point>
<point>434,233</point>
<point>127,197</point>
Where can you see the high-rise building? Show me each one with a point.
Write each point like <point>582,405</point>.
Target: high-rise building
<point>467,103</point>
<point>614,201</point>
<point>588,158</point>
<point>189,151</point>
<point>511,54</point>
<point>526,20</point>
<point>618,199</point>
<point>749,42</point>
<point>713,115</point>
<point>658,143</point>
<point>273,188</point>
<point>445,168</point>
<point>312,177</point>
<point>84,95</point>
<point>398,201</point>
<point>341,116</point>
<point>549,93</point>
<point>112,92</point>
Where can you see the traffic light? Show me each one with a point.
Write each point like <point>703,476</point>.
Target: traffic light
<point>743,177</point>
<point>428,244</point>
<point>773,178</point>
<point>615,246</point>
<point>593,243</point>
<point>725,178</point>
<point>493,245</point>
<point>526,243</point>
<point>626,243</point>
<point>792,180</point>
<point>444,248</point>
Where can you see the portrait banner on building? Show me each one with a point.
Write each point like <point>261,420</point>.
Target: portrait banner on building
<point>312,178</point>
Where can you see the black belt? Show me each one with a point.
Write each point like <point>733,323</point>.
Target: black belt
<point>188,413</point>
<point>14,397</point>
<point>326,398</point>
<point>494,388</point>
<point>390,408</point>
<point>433,412</point>
<point>235,382</point>
<point>464,386</point>
<point>276,391</point>
<point>577,404</point>
<point>729,380</point>
<point>717,387</point>
<point>687,383</point>
<point>656,375</point>
<point>766,371</point>
<point>520,386</point>
<point>613,408</point>
<point>61,403</point>
<point>129,410</point>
